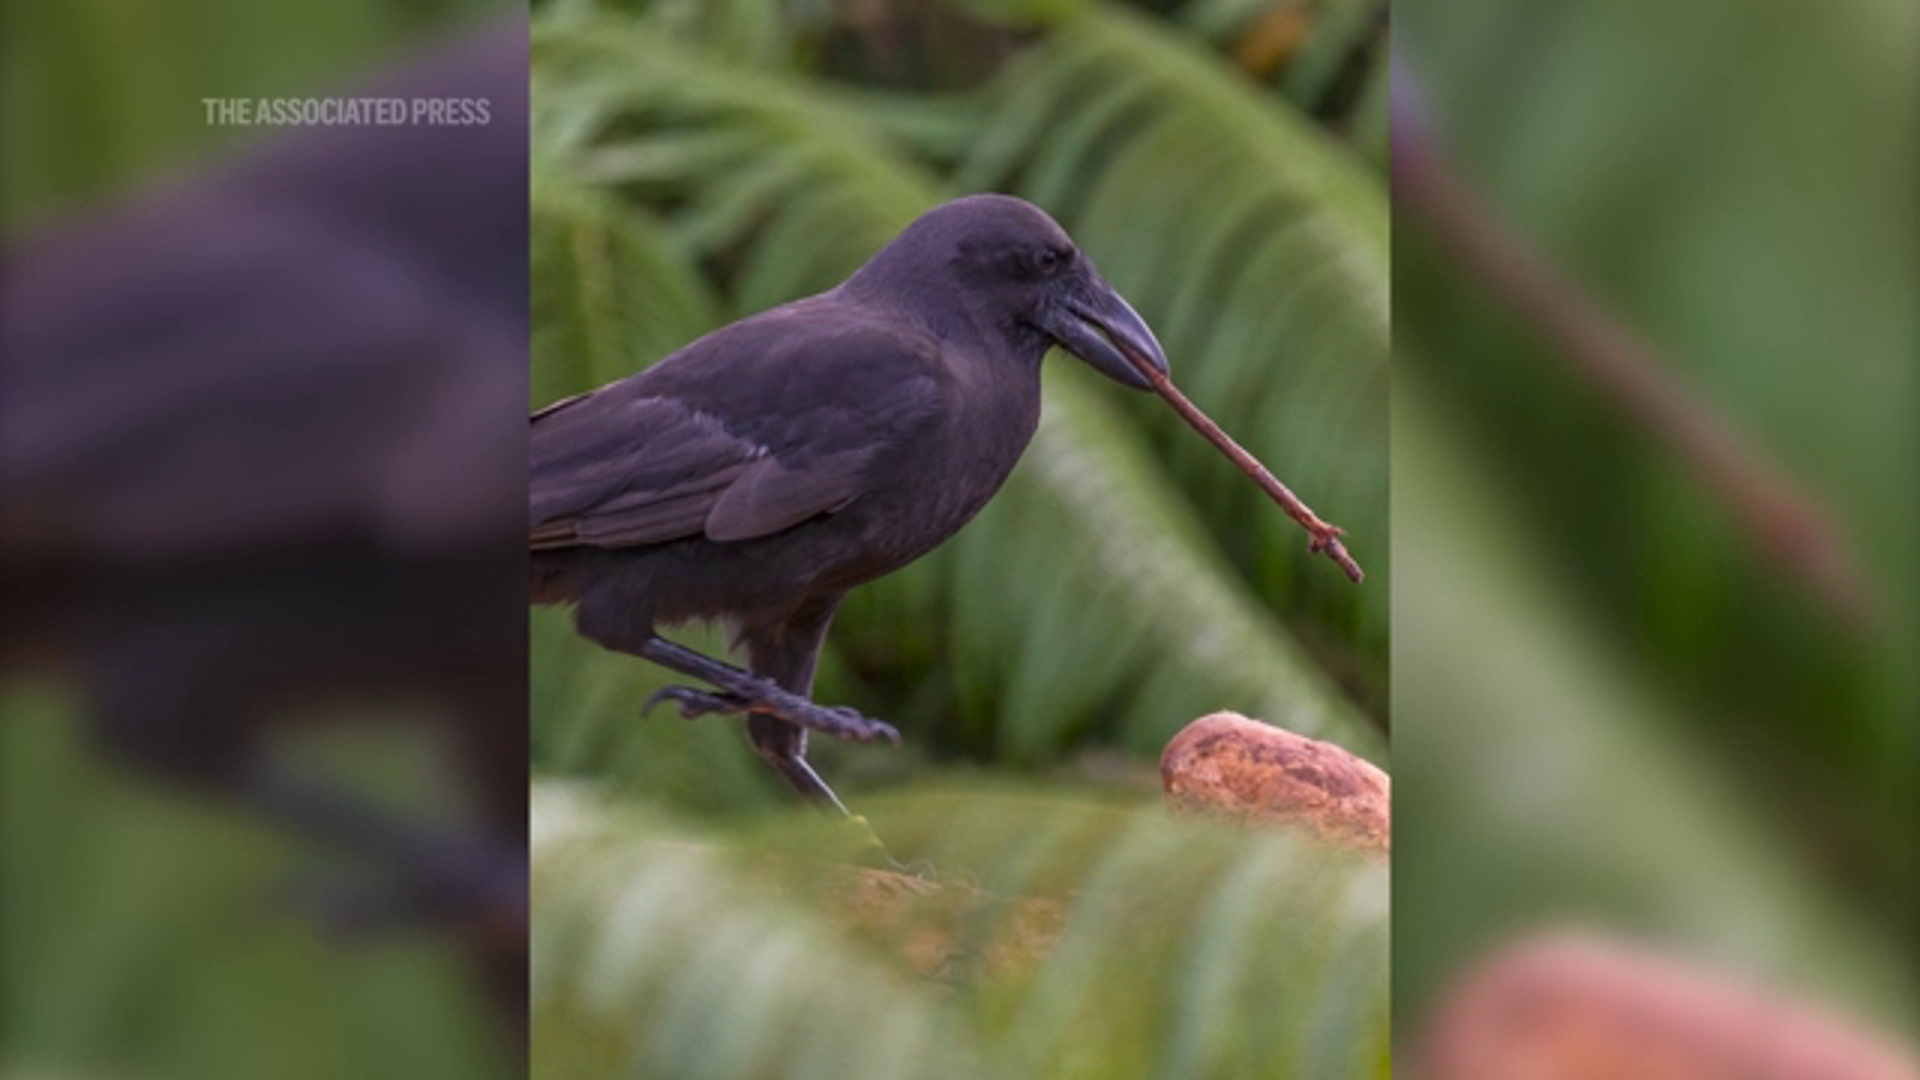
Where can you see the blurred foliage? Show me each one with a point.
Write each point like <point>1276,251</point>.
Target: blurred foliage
<point>698,162</point>
<point>1325,55</point>
<point>146,935</point>
<point>1551,781</point>
<point>96,95</point>
<point>143,934</point>
<point>1607,706</point>
<point>1184,949</point>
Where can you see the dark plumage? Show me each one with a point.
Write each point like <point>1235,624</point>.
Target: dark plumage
<point>762,471</point>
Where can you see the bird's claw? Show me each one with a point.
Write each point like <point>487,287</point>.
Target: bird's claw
<point>843,722</point>
<point>694,704</point>
<point>837,721</point>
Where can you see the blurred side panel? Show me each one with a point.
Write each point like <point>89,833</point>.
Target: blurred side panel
<point>262,407</point>
<point>1656,496</point>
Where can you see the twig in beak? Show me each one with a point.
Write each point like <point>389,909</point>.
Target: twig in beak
<point>1325,537</point>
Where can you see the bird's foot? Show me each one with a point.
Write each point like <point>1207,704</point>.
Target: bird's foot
<point>420,875</point>
<point>452,885</point>
<point>836,720</point>
<point>742,691</point>
<point>694,704</point>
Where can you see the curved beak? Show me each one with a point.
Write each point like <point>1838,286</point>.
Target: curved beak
<point>1101,328</point>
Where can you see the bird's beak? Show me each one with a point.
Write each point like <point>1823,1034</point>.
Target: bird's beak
<point>1102,329</point>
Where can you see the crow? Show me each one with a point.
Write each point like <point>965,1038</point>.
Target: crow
<point>756,475</point>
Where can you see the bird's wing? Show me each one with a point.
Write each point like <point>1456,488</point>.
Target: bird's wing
<point>770,496</point>
<point>171,390</point>
<point>747,432</point>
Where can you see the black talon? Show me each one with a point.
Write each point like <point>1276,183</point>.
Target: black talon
<point>694,704</point>
<point>837,721</point>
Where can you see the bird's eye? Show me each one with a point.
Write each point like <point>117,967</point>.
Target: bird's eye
<point>1048,261</point>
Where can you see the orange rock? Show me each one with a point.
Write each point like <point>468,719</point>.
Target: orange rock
<point>1566,1007</point>
<point>1226,765</point>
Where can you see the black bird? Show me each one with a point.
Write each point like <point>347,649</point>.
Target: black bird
<point>756,475</point>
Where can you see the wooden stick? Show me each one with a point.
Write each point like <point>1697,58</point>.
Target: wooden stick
<point>1786,521</point>
<point>1325,537</point>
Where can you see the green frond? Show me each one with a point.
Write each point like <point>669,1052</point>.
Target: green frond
<point>147,934</point>
<point>1258,246</point>
<point>1308,71</point>
<point>610,292</point>
<point>1130,632</point>
<point>1166,948</point>
<point>757,32</point>
<point>736,153</point>
<point>1544,762</point>
<point>1340,29</point>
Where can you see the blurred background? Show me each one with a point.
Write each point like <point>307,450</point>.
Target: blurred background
<point>262,742</point>
<point>1654,495</point>
<point>1224,166</point>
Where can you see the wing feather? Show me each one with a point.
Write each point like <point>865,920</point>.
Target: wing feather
<point>750,431</point>
<point>769,497</point>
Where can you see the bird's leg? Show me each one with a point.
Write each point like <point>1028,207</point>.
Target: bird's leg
<point>784,747</point>
<point>162,715</point>
<point>786,651</point>
<point>445,874</point>
<point>742,690</point>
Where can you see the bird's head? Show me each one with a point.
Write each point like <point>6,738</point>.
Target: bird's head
<point>1016,265</point>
